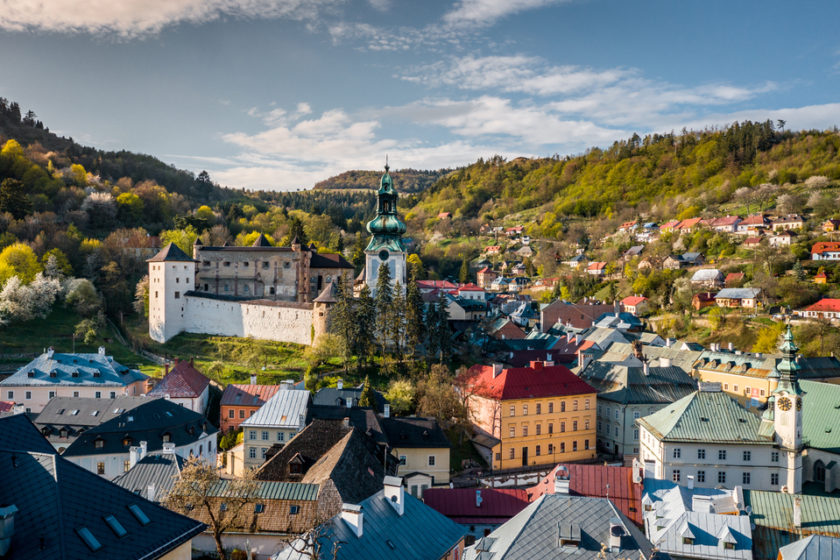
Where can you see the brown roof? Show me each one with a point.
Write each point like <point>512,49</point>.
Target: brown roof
<point>171,253</point>
<point>328,260</point>
<point>309,445</point>
<point>184,381</point>
<point>351,467</point>
<point>247,395</point>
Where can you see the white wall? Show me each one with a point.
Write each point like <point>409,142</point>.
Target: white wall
<point>40,395</point>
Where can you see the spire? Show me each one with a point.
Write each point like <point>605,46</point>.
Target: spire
<point>787,366</point>
<point>387,168</point>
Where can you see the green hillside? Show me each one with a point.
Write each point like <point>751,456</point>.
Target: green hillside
<point>406,180</point>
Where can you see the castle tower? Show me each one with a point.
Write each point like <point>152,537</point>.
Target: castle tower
<point>171,275</point>
<point>787,417</point>
<point>386,245</point>
<point>321,311</point>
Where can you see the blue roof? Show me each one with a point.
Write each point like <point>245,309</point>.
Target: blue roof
<point>74,370</point>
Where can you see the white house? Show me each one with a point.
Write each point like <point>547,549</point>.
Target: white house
<point>53,374</point>
<point>277,421</point>
<point>184,385</point>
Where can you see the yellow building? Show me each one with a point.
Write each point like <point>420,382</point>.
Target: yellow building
<point>422,449</point>
<point>537,415</point>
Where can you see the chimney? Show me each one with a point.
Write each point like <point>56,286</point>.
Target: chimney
<point>616,532</point>
<point>340,384</point>
<point>731,347</point>
<point>50,352</point>
<point>166,368</point>
<point>478,498</point>
<point>253,379</point>
<point>7,527</point>
<point>102,351</point>
<point>690,481</point>
<point>561,480</point>
<point>646,368</point>
<point>352,515</point>
<point>144,447</point>
<point>497,369</point>
<point>169,447</point>
<point>664,362</point>
<point>395,493</point>
<point>797,512</point>
<point>548,358</point>
<point>150,492</point>
<point>668,342</point>
<point>386,410</point>
<point>192,361</point>
<point>536,364</point>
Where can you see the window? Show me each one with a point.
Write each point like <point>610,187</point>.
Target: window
<point>98,395</point>
<point>774,479</point>
<point>574,445</point>
<point>242,413</point>
<point>512,453</point>
<point>599,426</point>
<point>265,264</point>
<point>722,455</point>
<point>259,508</point>
<point>701,476</point>
<point>115,526</point>
<point>562,406</point>
<point>293,510</point>
<point>537,450</point>
<point>498,458</point>
<point>524,410</point>
<point>231,413</point>
<point>52,394</point>
<point>747,456</point>
<point>87,537</point>
<point>252,434</point>
<point>99,443</point>
<point>701,453</point>
<point>562,426</point>
<point>586,404</point>
<point>513,431</point>
<point>166,438</point>
<point>431,460</point>
<point>745,478</point>
<point>635,434</point>
<point>586,444</point>
<point>688,540</point>
<point>280,436</point>
<point>550,448</point>
<point>729,545</point>
<point>539,429</point>
<point>735,388</point>
<point>574,404</point>
<point>512,410</point>
<point>226,263</point>
<point>562,447</point>
<point>75,394</point>
<point>675,475</point>
<point>28,395</point>
<point>264,435</point>
<point>177,295</point>
<point>774,456</point>
<point>726,386</point>
<point>539,408</point>
<point>126,466</point>
<point>524,431</point>
<point>616,414</point>
<point>636,414</point>
<point>10,395</point>
<point>677,453</point>
<point>574,425</point>
<point>551,408</point>
<point>550,428</point>
<point>113,394</point>
<point>402,460</point>
<point>586,425</point>
<point>721,477</point>
<point>100,467</point>
<point>245,263</point>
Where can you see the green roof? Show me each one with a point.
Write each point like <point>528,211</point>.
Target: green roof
<point>270,490</point>
<point>775,509</point>
<point>821,415</point>
<point>702,416</point>
<point>379,242</point>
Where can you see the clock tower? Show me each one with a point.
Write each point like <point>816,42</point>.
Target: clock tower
<point>787,415</point>
<point>386,244</point>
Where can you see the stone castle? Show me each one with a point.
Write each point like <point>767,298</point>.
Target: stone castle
<point>273,293</point>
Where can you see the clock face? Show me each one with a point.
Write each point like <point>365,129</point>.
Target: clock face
<point>784,403</point>
<point>383,255</point>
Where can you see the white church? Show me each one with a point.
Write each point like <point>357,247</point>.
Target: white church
<point>263,291</point>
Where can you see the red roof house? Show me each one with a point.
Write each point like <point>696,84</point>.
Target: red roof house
<point>184,385</point>
<point>733,279</point>
<point>477,506</point>
<point>239,402</point>
<point>826,251</point>
<point>826,308</point>
<point>537,381</point>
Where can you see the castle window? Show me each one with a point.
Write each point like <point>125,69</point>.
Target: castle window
<point>245,263</point>
<point>265,264</point>
<point>227,263</point>
<point>177,295</point>
<point>177,280</point>
<point>206,263</point>
<point>287,264</point>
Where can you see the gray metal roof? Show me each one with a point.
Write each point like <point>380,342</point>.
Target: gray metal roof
<point>73,370</point>
<point>707,275</point>
<point>738,293</point>
<point>535,532</point>
<point>286,409</point>
<point>815,547</point>
<point>420,533</point>
<point>627,382</point>
<point>158,469</point>
<point>56,498</point>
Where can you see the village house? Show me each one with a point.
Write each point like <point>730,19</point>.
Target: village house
<point>184,385</point>
<point>675,262</point>
<point>542,414</point>
<point>422,450</point>
<point>831,225</point>
<point>485,277</point>
<point>821,277</point>
<point>744,298</point>
<point>726,224</point>
<point>596,268</point>
<point>628,227</point>
<point>688,225</point>
<point>444,216</point>
<point>478,511</point>
<point>751,242</point>
<point>826,251</point>
<point>54,374</point>
<point>493,249</point>
<point>709,278</point>
<point>670,226</point>
<point>575,261</point>
<point>789,222</point>
<point>752,225</point>
<point>242,401</point>
<point>577,315</point>
<point>734,280</point>
<point>826,308</point>
<point>702,299</point>
<point>277,421</point>
<point>635,305</point>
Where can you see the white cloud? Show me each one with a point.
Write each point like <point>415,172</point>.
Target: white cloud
<point>487,12</point>
<point>132,18</point>
<point>304,108</point>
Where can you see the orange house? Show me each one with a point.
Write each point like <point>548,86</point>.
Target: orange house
<point>239,402</point>
<point>537,415</point>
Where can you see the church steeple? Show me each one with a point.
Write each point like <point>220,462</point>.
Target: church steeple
<point>788,368</point>
<point>386,244</point>
<point>786,401</point>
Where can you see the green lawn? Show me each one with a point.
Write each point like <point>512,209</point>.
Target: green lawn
<point>33,337</point>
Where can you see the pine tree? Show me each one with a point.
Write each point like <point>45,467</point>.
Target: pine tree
<point>367,399</point>
<point>431,322</point>
<point>296,230</point>
<point>343,322</point>
<point>442,330</point>
<point>365,325</point>
<point>464,273</point>
<point>397,321</point>
<point>415,324</point>
<point>384,300</point>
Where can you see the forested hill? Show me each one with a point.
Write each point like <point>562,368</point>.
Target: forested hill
<point>33,135</point>
<point>406,180</point>
<point>663,176</point>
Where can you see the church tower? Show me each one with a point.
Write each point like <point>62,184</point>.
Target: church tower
<point>386,245</point>
<point>787,416</point>
<point>171,276</point>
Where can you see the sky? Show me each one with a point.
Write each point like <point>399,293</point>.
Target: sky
<point>280,94</point>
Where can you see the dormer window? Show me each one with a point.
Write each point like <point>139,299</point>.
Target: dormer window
<point>75,373</point>
<point>127,441</point>
<point>62,433</point>
<point>99,443</point>
<point>30,373</point>
<point>166,438</point>
<point>53,373</point>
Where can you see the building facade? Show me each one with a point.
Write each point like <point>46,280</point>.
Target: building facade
<point>386,246</point>
<point>276,422</point>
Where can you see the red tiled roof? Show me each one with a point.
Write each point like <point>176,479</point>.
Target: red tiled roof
<point>671,224</point>
<point>633,300</point>
<point>247,395</point>
<point>183,381</point>
<point>598,481</point>
<point>689,223</point>
<point>752,241</point>
<point>470,288</point>
<point>734,277</point>
<point>825,246</point>
<point>825,304</point>
<point>528,383</point>
<point>754,220</point>
<point>436,284</point>
<point>725,221</point>
<point>459,503</point>
<point>484,270</point>
<point>596,266</point>
<point>821,274</point>
<point>7,406</point>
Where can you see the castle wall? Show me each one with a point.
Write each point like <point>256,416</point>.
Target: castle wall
<point>283,323</point>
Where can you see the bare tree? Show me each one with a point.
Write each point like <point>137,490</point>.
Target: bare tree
<point>315,544</point>
<point>198,494</point>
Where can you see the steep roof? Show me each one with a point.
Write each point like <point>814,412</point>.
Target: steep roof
<point>308,445</point>
<point>707,275</point>
<point>56,499</point>
<point>626,382</point>
<point>485,505</point>
<point>821,415</point>
<point>327,295</point>
<point>286,409</point>
<point>247,395</point>
<point>825,246</point>
<point>261,241</point>
<point>705,416</point>
<point>171,253</point>
<point>350,466</point>
<point>71,370</point>
<point>328,260</point>
<point>738,293</point>
<point>417,432</point>
<point>158,469</point>
<point>825,304</point>
<point>182,381</point>
<point>633,300</point>
<point>334,396</point>
<point>814,547</point>
<point>525,382</point>
<point>536,530</point>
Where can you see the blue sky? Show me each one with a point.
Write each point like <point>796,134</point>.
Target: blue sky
<point>283,93</point>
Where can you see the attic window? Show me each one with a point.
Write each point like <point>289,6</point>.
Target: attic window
<point>75,373</point>
<point>97,373</point>
<point>99,443</point>
<point>127,441</point>
<point>74,412</point>
<point>88,538</point>
<point>169,413</point>
<point>223,506</point>
<point>259,508</point>
<point>60,411</point>
<point>115,526</point>
<point>166,438</point>
<point>688,540</point>
<point>293,510</point>
<point>94,412</point>
<point>704,419</point>
<point>729,545</point>
<point>138,514</point>
<point>31,373</point>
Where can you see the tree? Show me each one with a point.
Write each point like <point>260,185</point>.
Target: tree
<point>365,325</point>
<point>367,399</point>
<point>464,273</point>
<point>22,302</point>
<point>415,326</point>
<point>296,229</point>
<point>436,397</point>
<point>82,296</point>
<point>141,296</point>
<point>195,493</point>
<point>56,264</point>
<point>13,198</point>
<point>343,322</point>
<point>400,395</point>
<point>21,261</point>
<point>183,238</point>
<point>384,300</point>
<point>397,321</point>
<point>768,338</point>
<point>319,543</point>
<point>415,267</point>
